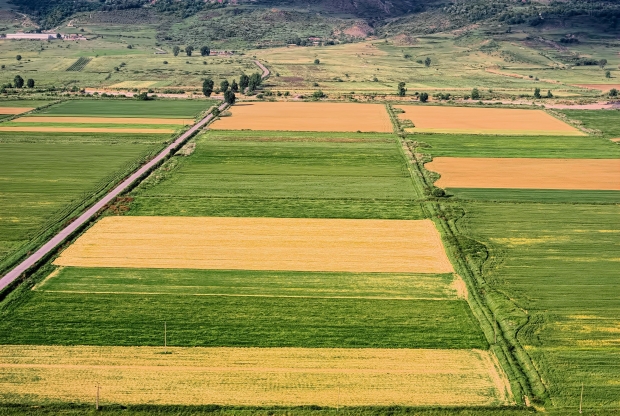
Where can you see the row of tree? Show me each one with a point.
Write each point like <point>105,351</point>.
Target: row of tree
<point>189,50</point>
<point>249,83</point>
<point>18,82</point>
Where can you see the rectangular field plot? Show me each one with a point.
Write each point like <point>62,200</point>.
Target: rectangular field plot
<point>129,108</point>
<point>283,177</point>
<point>111,130</point>
<point>261,244</point>
<point>253,376</point>
<point>519,173</point>
<point>104,120</point>
<point>325,117</point>
<point>606,121</point>
<point>469,120</point>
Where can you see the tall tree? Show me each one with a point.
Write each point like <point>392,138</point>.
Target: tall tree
<point>602,63</point>
<point>401,89</point>
<point>205,51</point>
<point>224,85</point>
<point>536,92</point>
<point>176,50</point>
<point>18,81</point>
<point>207,87</point>
<point>234,87</point>
<point>427,61</point>
<point>423,97</point>
<point>189,50</point>
<point>230,97</point>
<point>475,94</point>
<point>30,83</point>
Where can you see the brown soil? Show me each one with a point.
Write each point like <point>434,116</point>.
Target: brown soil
<point>106,120</point>
<point>302,116</point>
<point>517,173</point>
<point>261,244</point>
<point>14,110</point>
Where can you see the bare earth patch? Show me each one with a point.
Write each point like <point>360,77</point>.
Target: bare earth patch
<point>252,376</point>
<point>14,110</point>
<point>261,244</point>
<point>87,130</point>
<point>471,120</point>
<point>521,173</point>
<point>106,120</point>
<point>285,116</point>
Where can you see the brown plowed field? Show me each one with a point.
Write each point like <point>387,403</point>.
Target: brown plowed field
<point>86,130</point>
<point>575,174</point>
<point>14,110</point>
<point>470,120</point>
<point>286,116</point>
<point>104,120</point>
<point>252,376</point>
<point>260,244</point>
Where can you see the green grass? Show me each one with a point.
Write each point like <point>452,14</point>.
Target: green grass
<point>536,195</point>
<point>42,183</point>
<point>129,108</point>
<point>518,146</point>
<point>23,103</point>
<point>554,268</point>
<point>251,283</point>
<point>607,121</point>
<point>96,125</point>
<point>244,321</point>
<point>290,178</point>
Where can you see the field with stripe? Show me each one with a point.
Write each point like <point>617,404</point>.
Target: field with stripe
<point>300,267</point>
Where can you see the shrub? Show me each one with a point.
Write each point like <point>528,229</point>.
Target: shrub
<point>475,94</point>
<point>423,97</point>
<point>317,61</point>
<point>613,92</point>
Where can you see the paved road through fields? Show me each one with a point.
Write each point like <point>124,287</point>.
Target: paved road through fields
<point>86,216</point>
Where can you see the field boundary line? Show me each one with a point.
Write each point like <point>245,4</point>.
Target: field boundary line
<point>68,231</point>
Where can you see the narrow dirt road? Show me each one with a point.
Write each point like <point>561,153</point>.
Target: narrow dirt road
<point>266,72</point>
<point>32,260</point>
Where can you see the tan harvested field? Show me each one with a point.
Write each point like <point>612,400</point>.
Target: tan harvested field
<point>14,110</point>
<point>252,376</point>
<point>261,244</point>
<point>298,116</point>
<point>87,130</point>
<point>133,84</point>
<point>106,120</point>
<point>517,173</point>
<point>470,120</point>
<point>601,87</point>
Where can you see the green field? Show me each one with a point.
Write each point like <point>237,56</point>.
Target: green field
<point>553,270</point>
<point>576,147</point>
<point>536,195</point>
<point>607,121</point>
<point>44,181</point>
<point>128,108</point>
<point>23,103</point>
<point>363,179</point>
<point>266,317</point>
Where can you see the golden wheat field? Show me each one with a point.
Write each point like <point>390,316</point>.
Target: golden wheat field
<point>302,116</point>
<point>106,120</point>
<point>523,173</point>
<point>253,376</point>
<point>261,244</point>
<point>470,120</point>
<point>15,110</point>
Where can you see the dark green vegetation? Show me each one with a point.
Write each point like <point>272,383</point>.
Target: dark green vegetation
<point>553,272</point>
<point>46,179</point>
<point>537,195</point>
<point>286,178</point>
<point>83,317</point>
<point>23,103</point>
<point>607,121</point>
<point>128,108</point>
<point>583,147</point>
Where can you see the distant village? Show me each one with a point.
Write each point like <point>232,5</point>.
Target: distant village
<point>41,36</point>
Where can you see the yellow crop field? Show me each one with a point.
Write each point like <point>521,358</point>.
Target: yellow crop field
<point>106,120</point>
<point>523,173</point>
<point>252,376</point>
<point>134,84</point>
<point>86,130</point>
<point>14,110</point>
<point>261,244</point>
<point>470,120</point>
<point>302,116</point>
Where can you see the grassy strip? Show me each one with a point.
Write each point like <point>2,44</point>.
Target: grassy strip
<point>129,108</point>
<point>606,121</point>
<point>537,195</point>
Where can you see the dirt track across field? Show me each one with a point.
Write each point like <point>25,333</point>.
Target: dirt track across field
<point>86,130</point>
<point>518,173</point>
<point>106,120</point>
<point>472,120</point>
<point>302,116</point>
<point>261,244</point>
<point>253,376</point>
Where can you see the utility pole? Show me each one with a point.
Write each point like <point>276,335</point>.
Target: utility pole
<point>581,399</point>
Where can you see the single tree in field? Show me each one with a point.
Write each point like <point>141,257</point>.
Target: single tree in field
<point>143,96</point>
<point>205,51</point>
<point>401,89</point>
<point>613,92</point>
<point>224,85</point>
<point>317,61</point>
<point>427,61</point>
<point>244,81</point>
<point>602,63</point>
<point>189,50</point>
<point>475,94</point>
<point>608,74</point>
<point>207,87</point>
<point>230,97</point>
<point>18,81</point>
<point>423,97</point>
<point>176,50</point>
<point>549,95</point>
<point>234,87</point>
<point>18,57</point>
<point>30,83</point>
<point>537,93</point>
